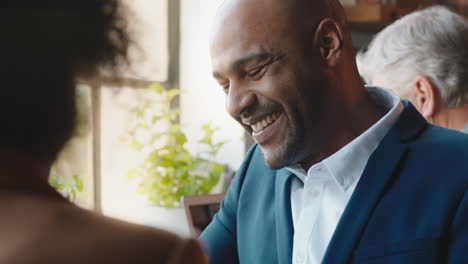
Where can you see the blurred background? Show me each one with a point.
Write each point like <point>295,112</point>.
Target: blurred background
<point>161,132</point>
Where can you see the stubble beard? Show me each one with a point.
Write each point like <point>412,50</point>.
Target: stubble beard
<point>286,154</point>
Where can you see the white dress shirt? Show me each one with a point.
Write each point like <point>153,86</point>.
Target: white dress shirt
<point>319,197</point>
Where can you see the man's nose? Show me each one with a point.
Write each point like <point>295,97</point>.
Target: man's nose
<point>238,100</point>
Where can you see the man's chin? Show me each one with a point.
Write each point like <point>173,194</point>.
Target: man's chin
<point>274,159</point>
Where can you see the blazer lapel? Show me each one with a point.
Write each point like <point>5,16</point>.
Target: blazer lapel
<point>374,180</point>
<point>284,224</point>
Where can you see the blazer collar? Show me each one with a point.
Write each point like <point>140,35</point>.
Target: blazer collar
<point>410,124</point>
<point>374,180</point>
<point>284,223</point>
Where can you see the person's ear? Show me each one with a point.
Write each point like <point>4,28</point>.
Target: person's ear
<point>329,40</point>
<point>426,97</point>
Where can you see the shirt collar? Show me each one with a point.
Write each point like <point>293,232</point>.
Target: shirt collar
<point>347,164</point>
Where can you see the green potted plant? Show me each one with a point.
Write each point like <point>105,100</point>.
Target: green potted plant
<point>169,171</point>
<point>69,188</point>
<point>69,171</point>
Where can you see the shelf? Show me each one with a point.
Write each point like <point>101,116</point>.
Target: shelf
<point>375,13</point>
<point>367,27</point>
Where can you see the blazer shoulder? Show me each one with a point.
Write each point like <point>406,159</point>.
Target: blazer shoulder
<point>442,153</point>
<point>444,139</point>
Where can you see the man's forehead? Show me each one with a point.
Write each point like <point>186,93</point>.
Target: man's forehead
<point>249,14</point>
<point>244,23</point>
<point>279,8</point>
<point>277,12</point>
<point>232,6</point>
<point>267,18</point>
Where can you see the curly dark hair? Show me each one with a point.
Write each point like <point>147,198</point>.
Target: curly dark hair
<point>45,47</point>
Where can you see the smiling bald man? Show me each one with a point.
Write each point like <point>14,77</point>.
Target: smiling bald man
<point>341,173</point>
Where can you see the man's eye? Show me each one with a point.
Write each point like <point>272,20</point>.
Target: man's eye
<point>225,88</point>
<point>257,72</point>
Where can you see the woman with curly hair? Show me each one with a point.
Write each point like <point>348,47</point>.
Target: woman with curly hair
<point>45,47</point>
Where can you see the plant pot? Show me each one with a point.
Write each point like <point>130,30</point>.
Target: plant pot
<point>173,219</point>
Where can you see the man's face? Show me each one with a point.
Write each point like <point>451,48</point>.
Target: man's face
<point>273,82</point>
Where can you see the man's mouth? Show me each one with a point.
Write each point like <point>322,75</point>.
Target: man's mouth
<point>265,122</point>
<point>265,127</point>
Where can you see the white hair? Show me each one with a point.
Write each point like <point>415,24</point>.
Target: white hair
<point>433,43</point>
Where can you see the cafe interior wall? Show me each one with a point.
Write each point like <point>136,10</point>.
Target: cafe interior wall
<point>201,100</point>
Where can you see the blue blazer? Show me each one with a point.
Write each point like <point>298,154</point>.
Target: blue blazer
<point>410,205</point>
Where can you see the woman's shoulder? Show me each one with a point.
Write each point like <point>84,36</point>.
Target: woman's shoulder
<point>58,232</point>
<point>188,251</point>
<point>131,243</point>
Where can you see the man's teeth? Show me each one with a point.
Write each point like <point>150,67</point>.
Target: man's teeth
<point>265,122</point>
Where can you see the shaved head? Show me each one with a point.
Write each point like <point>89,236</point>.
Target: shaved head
<point>303,15</point>
<point>311,12</point>
<point>303,9</point>
<point>282,64</point>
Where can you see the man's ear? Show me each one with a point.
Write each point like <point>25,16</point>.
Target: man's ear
<point>329,40</point>
<point>426,97</point>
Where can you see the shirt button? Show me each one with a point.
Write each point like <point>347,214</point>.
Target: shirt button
<point>338,215</point>
<point>315,193</point>
<point>299,258</point>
